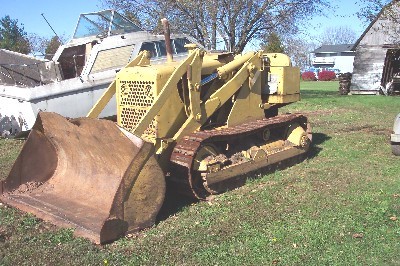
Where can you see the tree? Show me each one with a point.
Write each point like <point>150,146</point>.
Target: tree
<point>37,43</point>
<point>274,44</point>
<point>43,46</point>
<point>236,22</point>
<point>52,47</point>
<point>338,35</point>
<point>12,36</point>
<point>370,8</point>
<point>299,51</point>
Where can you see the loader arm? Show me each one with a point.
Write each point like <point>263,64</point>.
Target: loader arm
<point>223,94</point>
<point>164,94</point>
<point>194,80</point>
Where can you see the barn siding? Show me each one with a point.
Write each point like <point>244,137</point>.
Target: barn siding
<point>368,68</point>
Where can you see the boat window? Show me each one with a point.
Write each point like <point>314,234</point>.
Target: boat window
<point>179,45</point>
<point>112,58</point>
<point>122,25</point>
<point>91,25</point>
<point>100,23</point>
<point>162,50</point>
<point>150,47</point>
<point>158,49</point>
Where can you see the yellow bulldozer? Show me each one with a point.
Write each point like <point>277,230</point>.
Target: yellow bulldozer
<point>199,124</point>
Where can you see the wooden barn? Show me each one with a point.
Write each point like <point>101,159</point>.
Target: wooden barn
<point>377,53</point>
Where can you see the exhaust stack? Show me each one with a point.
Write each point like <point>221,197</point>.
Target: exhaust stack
<point>167,36</point>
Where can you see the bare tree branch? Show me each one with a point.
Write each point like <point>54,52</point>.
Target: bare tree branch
<point>237,22</point>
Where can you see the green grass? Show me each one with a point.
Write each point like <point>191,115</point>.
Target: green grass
<point>9,150</point>
<point>338,207</point>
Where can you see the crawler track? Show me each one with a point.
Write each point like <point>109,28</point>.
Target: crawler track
<point>184,153</point>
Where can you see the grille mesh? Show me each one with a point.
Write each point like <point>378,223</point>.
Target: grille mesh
<point>136,97</point>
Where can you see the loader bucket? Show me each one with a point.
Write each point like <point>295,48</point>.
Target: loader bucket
<point>87,174</point>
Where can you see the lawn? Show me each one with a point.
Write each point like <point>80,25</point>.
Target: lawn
<point>341,206</point>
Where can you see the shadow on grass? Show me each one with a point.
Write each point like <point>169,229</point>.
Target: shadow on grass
<point>173,203</point>
<point>317,139</point>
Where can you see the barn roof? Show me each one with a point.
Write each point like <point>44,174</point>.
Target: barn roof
<point>370,26</point>
<point>334,48</point>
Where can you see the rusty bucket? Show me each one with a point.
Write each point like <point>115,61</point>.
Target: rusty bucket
<point>87,174</point>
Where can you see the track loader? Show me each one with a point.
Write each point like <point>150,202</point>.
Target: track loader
<point>200,124</point>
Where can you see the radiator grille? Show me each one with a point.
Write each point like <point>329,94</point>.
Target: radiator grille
<point>136,97</point>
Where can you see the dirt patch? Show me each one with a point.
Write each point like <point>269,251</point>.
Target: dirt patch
<point>367,129</point>
<point>28,187</point>
<point>322,112</point>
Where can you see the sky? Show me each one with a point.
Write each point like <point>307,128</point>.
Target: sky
<point>343,15</point>
<point>63,16</point>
